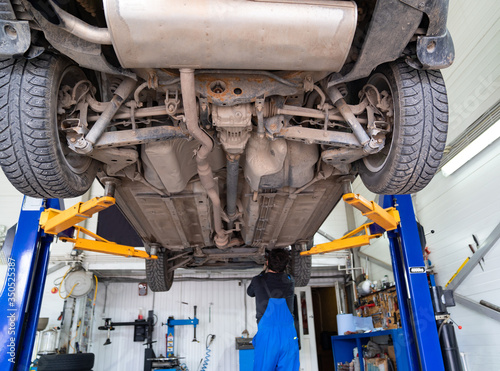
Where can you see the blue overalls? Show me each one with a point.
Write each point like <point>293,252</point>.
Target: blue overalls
<point>276,344</point>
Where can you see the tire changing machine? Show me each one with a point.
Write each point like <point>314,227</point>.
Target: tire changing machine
<point>39,220</point>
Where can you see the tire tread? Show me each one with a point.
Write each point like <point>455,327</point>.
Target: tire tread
<point>158,279</point>
<point>424,125</point>
<point>300,266</point>
<point>27,146</point>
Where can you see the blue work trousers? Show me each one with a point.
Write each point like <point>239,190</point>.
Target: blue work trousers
<point>276,344</point>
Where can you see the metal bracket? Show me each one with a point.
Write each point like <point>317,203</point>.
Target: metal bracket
<point>15,36</point>
<point>442,317</point>
<point>473,305</point>
<point>471,263</point>
<point>385,219</point>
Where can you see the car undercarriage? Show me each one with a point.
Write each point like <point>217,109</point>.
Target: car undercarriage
<point>227,127</point>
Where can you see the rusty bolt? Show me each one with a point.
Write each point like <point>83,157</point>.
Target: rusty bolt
<point>171,108</point>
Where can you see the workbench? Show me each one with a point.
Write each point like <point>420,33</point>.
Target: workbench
<point>343,346</point>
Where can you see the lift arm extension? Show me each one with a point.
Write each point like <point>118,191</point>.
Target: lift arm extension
<point>387,219</point>
<point>55,221</point>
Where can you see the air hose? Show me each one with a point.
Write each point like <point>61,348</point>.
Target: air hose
<point>210,339</point>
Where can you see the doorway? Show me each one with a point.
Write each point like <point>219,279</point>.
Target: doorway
<point>325,306</point>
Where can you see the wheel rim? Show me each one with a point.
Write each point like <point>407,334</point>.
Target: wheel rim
<point>77,163</point>
<point>377,161</point>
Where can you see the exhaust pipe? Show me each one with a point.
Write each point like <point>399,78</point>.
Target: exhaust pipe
<point>83,30</point>
<point>221,238</point>
<point>233,165</point>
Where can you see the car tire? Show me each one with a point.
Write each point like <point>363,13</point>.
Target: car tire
<point>33,152</point>
<point>159,274</point>
<point>300,266</point>
<point>66,362</point>
<point>412,153</point>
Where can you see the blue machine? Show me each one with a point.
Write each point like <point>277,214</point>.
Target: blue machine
<point>246,353</point>
<point>171,323</point>
<point>415,305</point>
<point>22,293</point>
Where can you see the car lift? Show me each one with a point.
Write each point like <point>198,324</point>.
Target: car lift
<point>383,220</point>
<point>54,221</point>
<point>397,217</point>
<point>27,265</point>
<point>21,296</point>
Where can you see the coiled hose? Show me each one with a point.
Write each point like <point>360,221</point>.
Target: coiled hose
<point>210,339</point>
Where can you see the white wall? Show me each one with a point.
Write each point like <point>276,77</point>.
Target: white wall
<point>473,81</point>
<point>226,300</point>
<point>467,202</point>
<point>456,207</point>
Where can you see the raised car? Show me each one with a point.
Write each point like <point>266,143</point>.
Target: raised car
<point>228,127</point>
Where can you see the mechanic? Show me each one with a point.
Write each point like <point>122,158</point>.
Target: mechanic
<point>276,343</point>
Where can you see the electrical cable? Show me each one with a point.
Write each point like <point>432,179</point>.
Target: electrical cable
<point>76,334</point>
<point>95,290</point>
<point>60,284</point>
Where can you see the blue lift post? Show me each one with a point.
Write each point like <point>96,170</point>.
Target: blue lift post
<point>22,293</point>
<point>414,298</point>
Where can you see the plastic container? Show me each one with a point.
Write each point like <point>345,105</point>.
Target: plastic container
<point>48,342</point>
<point>355,353</point>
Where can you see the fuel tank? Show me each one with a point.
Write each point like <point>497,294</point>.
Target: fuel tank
<point>307,35</point>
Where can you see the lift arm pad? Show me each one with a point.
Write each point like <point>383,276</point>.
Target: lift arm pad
<point>386,218</point>
<point>55,221</point>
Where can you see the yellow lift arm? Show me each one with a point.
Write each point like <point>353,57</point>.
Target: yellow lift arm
<point>55,221</point>
<point>388,219</point>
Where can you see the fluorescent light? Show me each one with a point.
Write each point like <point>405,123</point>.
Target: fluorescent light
<point>476,146</point>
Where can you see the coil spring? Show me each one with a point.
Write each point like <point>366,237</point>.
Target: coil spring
<point>206,360</point>
<point>114,83</point>
<point>342,89</point>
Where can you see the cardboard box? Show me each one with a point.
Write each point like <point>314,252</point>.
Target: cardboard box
<point>392,355</point>
<point>376,364</point>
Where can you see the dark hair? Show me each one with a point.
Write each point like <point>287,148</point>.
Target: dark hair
<point>277,260</point>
